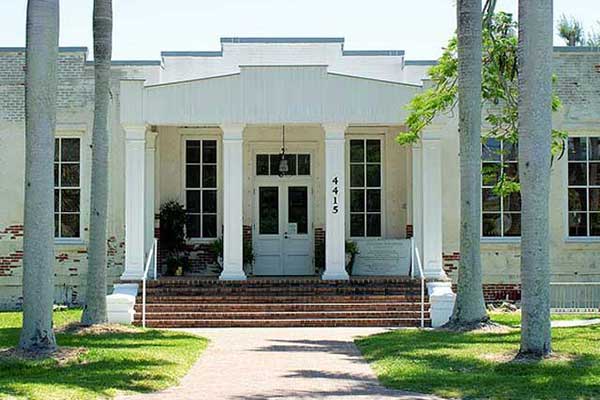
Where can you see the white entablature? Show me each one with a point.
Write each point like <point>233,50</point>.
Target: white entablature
<point>273,94</point>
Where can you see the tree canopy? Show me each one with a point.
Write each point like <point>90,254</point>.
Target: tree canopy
<point>499,93</point>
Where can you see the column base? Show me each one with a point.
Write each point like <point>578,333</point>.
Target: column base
<point>335,276</point>
<point>438,275</point>
<point>132,276</point>
<point>232,276</point>
<point>120,305</point>
<point>441,298</point>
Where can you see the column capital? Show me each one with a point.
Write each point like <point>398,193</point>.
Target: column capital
<point>334,130</point>
<point>135,132</point>
<point>232,131</point>
<point>432,133</point>
<point>151,140</point>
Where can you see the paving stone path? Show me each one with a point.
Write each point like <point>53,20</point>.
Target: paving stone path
<point>281,363</point>
<point>572,323</point>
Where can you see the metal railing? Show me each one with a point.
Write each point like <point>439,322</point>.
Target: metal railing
<point>568,297</point>
<point>152,256</point>
<point>415,259</point>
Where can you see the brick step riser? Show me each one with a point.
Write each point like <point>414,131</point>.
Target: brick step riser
<point>282,323</point>
<point>283,283</point>
<point>277,299</point>
<point>285,290</point>
<point>286,293</point>
<point>279,307</point>
<point>267,315</point>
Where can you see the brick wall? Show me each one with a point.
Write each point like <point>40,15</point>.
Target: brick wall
<point>70,268</point>
<point>578,83</point>
<point>75,84</point>
<point>492,292</point>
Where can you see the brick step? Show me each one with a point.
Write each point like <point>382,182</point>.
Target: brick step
<point>299,291</point>
<point>280,307</point>
<point>287,282</point>
<point>268,315</point>
<point>182,299</point>
<point>283,323</point>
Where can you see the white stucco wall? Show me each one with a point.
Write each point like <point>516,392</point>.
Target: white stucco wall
<point>299,139</point>
<point>572,259</point>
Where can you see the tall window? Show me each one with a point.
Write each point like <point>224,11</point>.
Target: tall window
<point>365,187</point>
<point>67,189</point>
<point>501,216</point>
<point>201,188</point>
<point>584,186</point>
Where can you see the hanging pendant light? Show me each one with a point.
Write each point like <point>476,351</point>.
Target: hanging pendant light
<point>283,162</point>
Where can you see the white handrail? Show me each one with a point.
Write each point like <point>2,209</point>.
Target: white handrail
<point>151,255</point>
<point>415,256</point>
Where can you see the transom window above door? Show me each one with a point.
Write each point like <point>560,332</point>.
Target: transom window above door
<point>201,188</point>
<point>268,164</point>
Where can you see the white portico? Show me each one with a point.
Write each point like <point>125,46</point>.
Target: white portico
<point>327,115</point>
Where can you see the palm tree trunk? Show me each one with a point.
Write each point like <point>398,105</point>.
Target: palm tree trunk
<point>469,309</point>
<point>40,124</point>
<point>535,130</point>
<point>95,309</point>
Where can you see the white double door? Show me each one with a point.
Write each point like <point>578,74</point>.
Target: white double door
<point>282,228</point>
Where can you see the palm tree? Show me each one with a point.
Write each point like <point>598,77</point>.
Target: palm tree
<point>535,127</point>
<point>95,309</point>
<point>571,30</point>
<point>40,124</point>
<point>469,309</point>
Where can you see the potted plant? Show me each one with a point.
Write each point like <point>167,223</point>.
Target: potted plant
<point>172,237</point>
<point>217,249</point>
<point>351,252</point>
<point>248,256</point>
<point>247,252</point>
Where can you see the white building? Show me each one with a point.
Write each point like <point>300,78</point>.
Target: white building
<point>207,129</point>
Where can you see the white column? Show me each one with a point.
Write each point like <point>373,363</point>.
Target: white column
<point>232,202</point>
<point>417,198</point>
<point>150,191</point>
<point>431,206</point>
<point>335,211</point>
<point>135,138</point>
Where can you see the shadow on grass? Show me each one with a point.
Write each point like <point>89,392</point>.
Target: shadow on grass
<point>452,365</point>
<point>130,362</point>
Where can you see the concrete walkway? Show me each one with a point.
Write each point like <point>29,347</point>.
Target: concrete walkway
<point>573,323</point>
<point>283,363</point>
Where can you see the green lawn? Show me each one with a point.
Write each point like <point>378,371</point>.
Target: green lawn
<point>455,365</point>
<point>143,361</point>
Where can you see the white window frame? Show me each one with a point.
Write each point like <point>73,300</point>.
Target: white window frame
<point>60,188</point>
<point>502,237</point>
<point>587,187</point>
<point>202,136</point>
<point>381,187</point>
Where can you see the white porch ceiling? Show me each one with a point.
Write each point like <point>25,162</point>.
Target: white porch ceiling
<point>273,95</point>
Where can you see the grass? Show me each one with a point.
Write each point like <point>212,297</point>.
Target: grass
<point>137,362</point>
<point>455,365</point>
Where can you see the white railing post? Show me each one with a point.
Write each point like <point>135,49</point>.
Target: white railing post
<point>416,257</point>
<point>412,257</point>
<point>155,258</point>
<point>151,257</point>
<point>144,302</point>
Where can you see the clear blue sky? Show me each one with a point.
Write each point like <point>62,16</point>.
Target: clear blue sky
<point>145,27</point>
